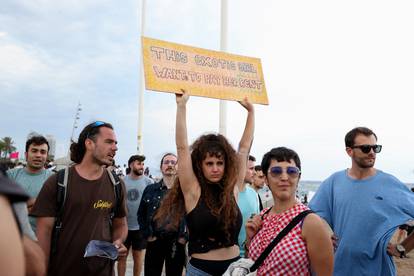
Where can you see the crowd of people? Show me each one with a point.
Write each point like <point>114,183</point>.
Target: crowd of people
<point>212,212</point>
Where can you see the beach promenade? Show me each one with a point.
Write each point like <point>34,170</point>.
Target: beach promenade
<point>130,265</point>
<point>405,267</point>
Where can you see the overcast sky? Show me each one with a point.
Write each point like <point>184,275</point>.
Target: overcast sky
<point>328,66</point>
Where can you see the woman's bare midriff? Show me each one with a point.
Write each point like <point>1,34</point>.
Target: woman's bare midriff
<point>220,254</point>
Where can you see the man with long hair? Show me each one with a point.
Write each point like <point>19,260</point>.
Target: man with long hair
<point>91,210</point>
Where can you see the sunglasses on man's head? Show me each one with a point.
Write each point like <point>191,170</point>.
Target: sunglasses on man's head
<point>291,171</point>
<point>172,162</point>
<point>367,148</point>
<point>95,125</point>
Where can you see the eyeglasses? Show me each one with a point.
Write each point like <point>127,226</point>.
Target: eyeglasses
<point>93,126</point>
<point>172,162</point>
<point>367,148</point>
<point>291,171</point>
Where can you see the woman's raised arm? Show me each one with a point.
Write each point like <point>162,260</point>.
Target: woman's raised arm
<point>188,181</point>
<point>245,141</point>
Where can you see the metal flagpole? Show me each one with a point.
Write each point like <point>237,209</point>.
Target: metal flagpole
<point>140,147</point>
<point>223,47</point>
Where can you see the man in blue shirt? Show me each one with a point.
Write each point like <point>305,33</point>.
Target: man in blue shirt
<point>364,206</point>
<point>248,202</point>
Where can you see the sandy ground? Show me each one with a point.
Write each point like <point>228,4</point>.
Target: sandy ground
<point>130,265</point>
<point>405,267</point>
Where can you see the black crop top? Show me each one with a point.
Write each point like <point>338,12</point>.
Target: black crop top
<point>205,230</point>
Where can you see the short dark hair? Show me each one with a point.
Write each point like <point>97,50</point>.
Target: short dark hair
<point>279,154</point>
<point>165,155</point>
<point>350,136</point>
<point>136,157</point>
<point>78,149</point>
<point>258,168</point>
<point>252,158</point>
<point>37,140</point>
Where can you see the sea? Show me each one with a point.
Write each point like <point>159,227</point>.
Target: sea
<point>309,188</point>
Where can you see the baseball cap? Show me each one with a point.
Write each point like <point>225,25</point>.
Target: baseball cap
<point>133,158</point>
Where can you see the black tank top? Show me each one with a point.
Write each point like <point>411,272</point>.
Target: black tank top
<point>206,231</point>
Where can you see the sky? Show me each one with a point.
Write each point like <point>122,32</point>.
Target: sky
<point>328,66</point>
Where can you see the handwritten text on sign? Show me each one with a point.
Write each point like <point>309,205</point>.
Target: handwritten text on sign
<point>170,67</point>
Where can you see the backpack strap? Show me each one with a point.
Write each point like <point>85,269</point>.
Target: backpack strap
<point>62,184</point>
<point>278,238</point>
<point>116,182</point>
<point>61,190</point>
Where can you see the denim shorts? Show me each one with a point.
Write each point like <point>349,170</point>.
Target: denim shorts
<point>193,271</point>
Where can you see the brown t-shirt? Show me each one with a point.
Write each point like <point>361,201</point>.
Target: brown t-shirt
<point>86,216</point>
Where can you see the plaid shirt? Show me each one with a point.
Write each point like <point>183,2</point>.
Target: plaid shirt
<point>289,256</point>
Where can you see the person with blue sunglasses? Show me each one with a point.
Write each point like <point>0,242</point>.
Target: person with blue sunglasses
<point>307,247</point>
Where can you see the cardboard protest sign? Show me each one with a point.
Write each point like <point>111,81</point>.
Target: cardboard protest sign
<point>170,67</point>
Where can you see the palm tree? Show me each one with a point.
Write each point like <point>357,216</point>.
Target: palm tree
<point>6,145</point>
<point>1,148</point>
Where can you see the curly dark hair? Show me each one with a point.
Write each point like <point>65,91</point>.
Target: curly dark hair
<point>172,208</point>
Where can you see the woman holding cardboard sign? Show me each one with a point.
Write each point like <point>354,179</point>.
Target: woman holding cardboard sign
<point>209,175</point>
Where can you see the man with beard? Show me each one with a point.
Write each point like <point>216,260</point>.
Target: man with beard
<point>91,210</point>
<point>31,178</point>
<point>248,201</point>
<point>364,206</point>
<point>164,244</point>
<point>135,183</point>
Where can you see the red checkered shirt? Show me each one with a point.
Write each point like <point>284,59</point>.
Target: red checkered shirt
<point>289,256</point>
